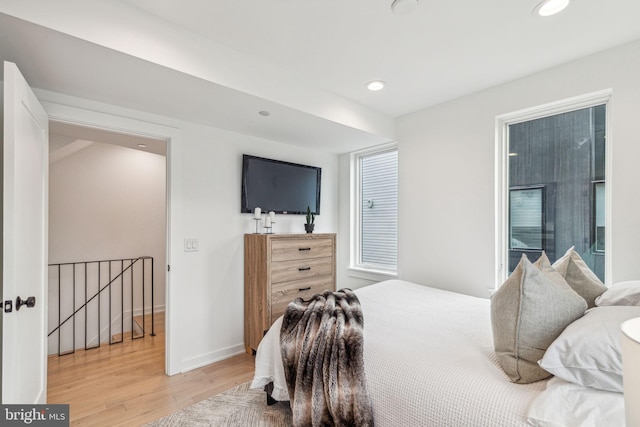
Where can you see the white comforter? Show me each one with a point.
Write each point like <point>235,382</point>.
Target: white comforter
<point>429,360</point>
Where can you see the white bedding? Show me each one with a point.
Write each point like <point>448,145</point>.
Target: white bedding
<point>429,360</point>
<point>565,404</point>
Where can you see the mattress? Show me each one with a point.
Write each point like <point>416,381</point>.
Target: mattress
<point>429,360</point>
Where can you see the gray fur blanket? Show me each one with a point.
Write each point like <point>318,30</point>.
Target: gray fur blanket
<point>321,342</point>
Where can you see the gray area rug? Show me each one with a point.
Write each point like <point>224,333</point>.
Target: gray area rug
<point>238,406</point>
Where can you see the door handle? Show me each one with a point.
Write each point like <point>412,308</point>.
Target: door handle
<point>29,302</point>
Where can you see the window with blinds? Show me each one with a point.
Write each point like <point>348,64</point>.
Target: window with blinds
<point>378,210</point>
<point>526,218</point>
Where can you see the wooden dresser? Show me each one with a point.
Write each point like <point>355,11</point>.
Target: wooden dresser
<point>279,268</point>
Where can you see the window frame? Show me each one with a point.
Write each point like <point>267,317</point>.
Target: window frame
<point>502,124</point>
<point>594,213</point>
<point>357,269</point>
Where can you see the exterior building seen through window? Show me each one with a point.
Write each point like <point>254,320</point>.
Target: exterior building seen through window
<point>557,187</point>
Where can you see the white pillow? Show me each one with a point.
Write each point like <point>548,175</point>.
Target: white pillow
<point>588,351</point>
<point>565,404</point>
<point>623,293</point>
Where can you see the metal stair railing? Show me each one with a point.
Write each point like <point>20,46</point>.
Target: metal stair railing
<point>126,265</point>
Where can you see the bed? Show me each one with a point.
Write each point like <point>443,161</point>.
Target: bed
<point>429,360</point>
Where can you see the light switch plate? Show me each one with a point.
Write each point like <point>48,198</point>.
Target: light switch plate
<point>191,245</point>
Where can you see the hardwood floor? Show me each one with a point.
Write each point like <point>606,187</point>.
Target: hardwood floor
<point>125,385</point>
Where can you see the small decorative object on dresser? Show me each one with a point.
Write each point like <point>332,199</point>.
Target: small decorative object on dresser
<point>308,226</point>
<point>257,217</point>
<point>279,268</point>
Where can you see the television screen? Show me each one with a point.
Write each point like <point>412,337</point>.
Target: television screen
<point>278,186</point>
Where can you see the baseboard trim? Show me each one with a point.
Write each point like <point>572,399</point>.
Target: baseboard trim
<point>192,363</point>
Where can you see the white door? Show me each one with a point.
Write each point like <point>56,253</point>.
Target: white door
<point>24,246</point>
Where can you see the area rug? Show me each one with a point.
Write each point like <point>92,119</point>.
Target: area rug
<point>239,406</point>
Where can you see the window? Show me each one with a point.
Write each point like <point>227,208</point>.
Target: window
<point>374,209</point>
<point>526,218</point>
<point>552,176</point>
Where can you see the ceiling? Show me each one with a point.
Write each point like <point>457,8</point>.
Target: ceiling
<point>442,50</point>
<point>220,62</point>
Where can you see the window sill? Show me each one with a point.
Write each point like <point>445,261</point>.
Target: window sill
<point>371,274</point>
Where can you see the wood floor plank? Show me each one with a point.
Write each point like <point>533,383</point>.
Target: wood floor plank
<point>125,385</point>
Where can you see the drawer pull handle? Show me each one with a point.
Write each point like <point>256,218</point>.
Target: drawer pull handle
<point>304,289</point>
<point>304,249</point>
<point>304,269</point>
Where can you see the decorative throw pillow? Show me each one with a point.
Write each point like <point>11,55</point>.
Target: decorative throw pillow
<point>623,293</point>
<point>528,312</point>
<point>588,351</point>
<point>579,276</point>
<point>545,266</point>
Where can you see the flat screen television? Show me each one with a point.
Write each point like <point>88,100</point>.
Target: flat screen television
<point>282,187</point>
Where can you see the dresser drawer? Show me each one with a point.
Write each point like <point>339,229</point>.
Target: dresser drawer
<point>287,271</point>
<point>283,293</point>
<point>291,249</point>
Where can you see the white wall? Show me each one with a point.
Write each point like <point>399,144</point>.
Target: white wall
<point>108,202</point>
<point>211,286</point>
<point>447,167</point>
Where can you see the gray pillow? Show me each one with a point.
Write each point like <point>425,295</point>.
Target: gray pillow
<point>545,266</point>
<point>528,312</point>
<point>579,276</point>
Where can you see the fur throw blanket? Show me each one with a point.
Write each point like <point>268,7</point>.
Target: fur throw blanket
<point>321,342</point>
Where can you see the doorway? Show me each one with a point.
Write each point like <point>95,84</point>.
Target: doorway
<point>108,203</point>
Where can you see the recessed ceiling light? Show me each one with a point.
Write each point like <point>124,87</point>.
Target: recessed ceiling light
<point>264,113</point>
<point>550,7</point>
<point>401,7</point>
<point>142,145</point>
<point>375,85</point>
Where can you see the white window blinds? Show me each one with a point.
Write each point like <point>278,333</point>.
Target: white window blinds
<point>379,209</point>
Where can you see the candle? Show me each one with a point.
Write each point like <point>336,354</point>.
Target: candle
<point>267,222</point>
<point>272,214</point>
<point>257,213</point>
